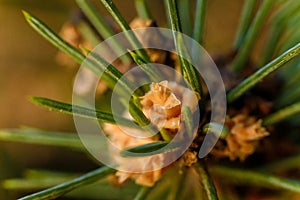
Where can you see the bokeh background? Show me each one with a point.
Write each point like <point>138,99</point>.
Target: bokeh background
<point>28,67</point>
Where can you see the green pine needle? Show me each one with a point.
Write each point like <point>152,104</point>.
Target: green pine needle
<point>206,181</point>
<point>32,184</point>
<point>138,115</point>
<point>147,149</point>
<point>262,73</point>
<point>251,35</point>
<point>167,14</point>
<point>62,189</point>
<point>88,33</point>
<point>285,164</point>
<point>188,71</point>
<point>143,193</point>
<point>282,114</point>
<point>80,111</point>
<point>54,38</point>
<point>142,9</point>
<point>153,74</point>
<point>199,21</point>
<point>110,73</point>
<point>120,20</point>
<point>278,27</point>
<point>244,23</point>
<point>188,120</point>
<point>184,13</point>
<point>248,177</point>
<point>101,26</point>
<point>217,129</point>
<point>39,137</point>
<point>35,179</point>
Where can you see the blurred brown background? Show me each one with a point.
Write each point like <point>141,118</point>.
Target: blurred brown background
<point>28,67</point>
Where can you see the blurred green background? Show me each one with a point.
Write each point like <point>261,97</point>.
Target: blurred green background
<point>28,67</point>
